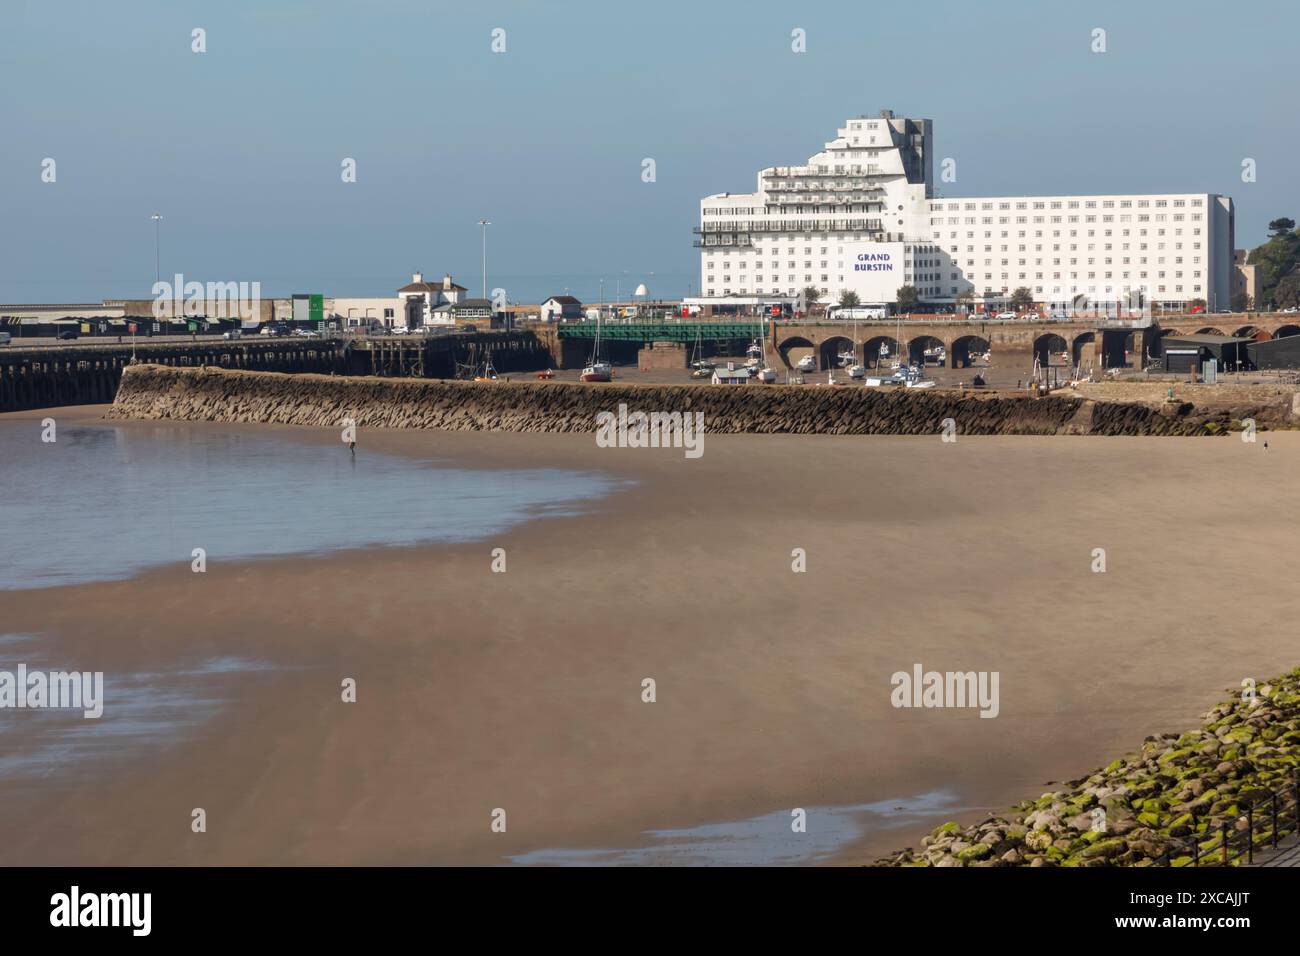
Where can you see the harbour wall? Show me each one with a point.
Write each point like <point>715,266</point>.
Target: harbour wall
<point>209,394</point>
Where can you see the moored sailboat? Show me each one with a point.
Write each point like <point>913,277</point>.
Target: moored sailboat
<point>596,370</point>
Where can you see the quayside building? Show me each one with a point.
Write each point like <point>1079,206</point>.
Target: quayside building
<point>862,215</point>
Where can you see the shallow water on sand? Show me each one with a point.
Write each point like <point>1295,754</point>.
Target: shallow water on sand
<point>105,502</point>
<point>767,840</point>
<point>141,712</point>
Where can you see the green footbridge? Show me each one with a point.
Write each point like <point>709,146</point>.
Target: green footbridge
<point>651,331</point>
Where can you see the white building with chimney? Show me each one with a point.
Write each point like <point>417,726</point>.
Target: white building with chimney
<point>421,301</point>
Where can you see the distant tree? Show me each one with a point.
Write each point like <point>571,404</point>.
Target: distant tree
<point>810,296</point>
<point>964,299</point>
<point>849,298</point>
<point>1022,298</point>
<point>1276,259</point>
<point>1240,302</point>
<point>1287,292</point>
<point>907,297</point>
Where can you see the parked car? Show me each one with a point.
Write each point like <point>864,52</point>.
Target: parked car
<point>1030,316</point>
<point>1005,315</point>
<point>5,338</point>
<point>232,334</point>
<point>67,334</point>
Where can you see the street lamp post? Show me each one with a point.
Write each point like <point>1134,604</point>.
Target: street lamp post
<point>484,223</point>
<point>157,259</point>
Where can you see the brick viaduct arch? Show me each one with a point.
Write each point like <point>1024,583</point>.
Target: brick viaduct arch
<point>1086,341</point>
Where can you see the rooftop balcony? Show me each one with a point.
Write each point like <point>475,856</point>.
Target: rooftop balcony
<point>776,172</point>
<point>788,225</point>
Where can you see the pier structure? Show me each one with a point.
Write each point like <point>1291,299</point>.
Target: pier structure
<point>89,370</point>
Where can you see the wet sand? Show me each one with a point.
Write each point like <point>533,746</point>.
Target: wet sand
<point>522,690</point>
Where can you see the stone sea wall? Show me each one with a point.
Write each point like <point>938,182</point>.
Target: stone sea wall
<point>1157,806</point>
<point>212,394</point>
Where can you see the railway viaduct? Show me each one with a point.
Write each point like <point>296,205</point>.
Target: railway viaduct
<point>1088,341</point>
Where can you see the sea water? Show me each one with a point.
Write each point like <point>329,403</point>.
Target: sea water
<point>103,502</point>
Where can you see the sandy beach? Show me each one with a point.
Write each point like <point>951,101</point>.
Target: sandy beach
<point>522,690</point>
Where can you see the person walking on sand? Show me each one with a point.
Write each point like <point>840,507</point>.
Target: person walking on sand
<point>352,447</point>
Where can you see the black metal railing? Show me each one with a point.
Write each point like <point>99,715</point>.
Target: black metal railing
<point>1272,813</point>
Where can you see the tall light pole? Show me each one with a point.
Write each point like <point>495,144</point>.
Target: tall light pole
<point>157,259</point>
<point>484,223</point>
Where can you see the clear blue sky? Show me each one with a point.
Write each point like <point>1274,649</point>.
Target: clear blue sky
<point>240,147</point>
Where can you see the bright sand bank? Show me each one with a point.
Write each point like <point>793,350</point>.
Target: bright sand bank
<point>522,690</point>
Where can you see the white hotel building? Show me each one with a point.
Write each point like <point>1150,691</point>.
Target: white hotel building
<point>862,215</point>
